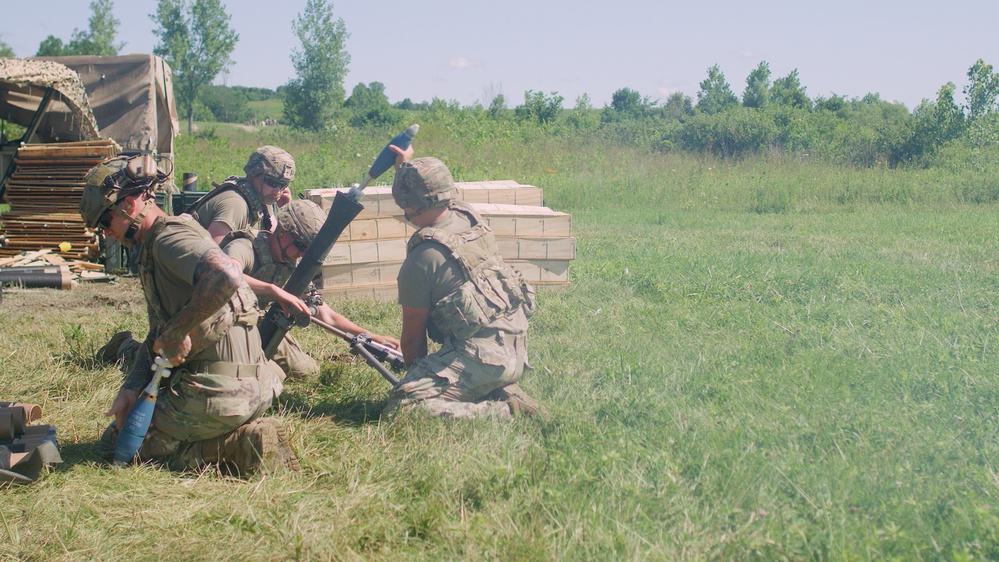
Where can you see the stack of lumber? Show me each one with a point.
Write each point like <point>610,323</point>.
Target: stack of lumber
<point>366,259</point>
<point>42,268</point>
<point>44,196</point>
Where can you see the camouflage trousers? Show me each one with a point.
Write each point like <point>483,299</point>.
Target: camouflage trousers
<point>295,362</point>
<point>202,401</point>
<point>453,381</point>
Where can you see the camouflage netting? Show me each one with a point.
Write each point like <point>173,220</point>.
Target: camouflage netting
<point>23,83</point>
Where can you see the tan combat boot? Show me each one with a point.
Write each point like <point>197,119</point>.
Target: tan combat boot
<point>520,403</point>
<point>109,353</point>
<point>261,444</point>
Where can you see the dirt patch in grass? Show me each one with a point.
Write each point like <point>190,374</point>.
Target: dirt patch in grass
<point>123,292</point>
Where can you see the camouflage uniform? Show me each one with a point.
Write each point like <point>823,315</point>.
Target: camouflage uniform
<point>219,388</point>
<point>209,409</point>
<point>479,306</point>
<point>235,203</point>
<point>252,251</point>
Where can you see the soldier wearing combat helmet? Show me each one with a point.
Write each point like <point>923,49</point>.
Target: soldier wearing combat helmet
<point>240,203</point>
<point>267,261</point>
<point>202,319</point>
<point>455,289</point>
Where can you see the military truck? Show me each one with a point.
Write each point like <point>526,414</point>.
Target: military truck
<point>58,117</point>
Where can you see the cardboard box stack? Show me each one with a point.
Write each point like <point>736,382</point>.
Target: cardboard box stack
<point>366,259</point>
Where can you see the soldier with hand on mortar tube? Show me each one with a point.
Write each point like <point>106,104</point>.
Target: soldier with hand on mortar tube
<point>267,261</point>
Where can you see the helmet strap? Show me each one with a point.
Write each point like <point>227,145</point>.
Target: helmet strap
<point>133,228</point>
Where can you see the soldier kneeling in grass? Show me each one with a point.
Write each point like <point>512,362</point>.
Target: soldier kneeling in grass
<point>202,320</point>
<point>268,260</point>
<point>455,288</point>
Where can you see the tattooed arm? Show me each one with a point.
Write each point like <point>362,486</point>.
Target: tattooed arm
<point>216,278</point>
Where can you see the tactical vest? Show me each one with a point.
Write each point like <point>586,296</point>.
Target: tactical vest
<point>255,207</point>
<point>241,308</point>
<point>491,288</point>
<point>264,267</point>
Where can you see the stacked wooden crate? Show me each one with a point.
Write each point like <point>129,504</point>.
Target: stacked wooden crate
<point>44,196</point>
<point>366,259</point>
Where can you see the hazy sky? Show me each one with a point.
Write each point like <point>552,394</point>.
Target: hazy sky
<point>469,51</point>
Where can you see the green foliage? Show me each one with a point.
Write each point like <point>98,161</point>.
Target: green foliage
<point>6,50</point>
<point>226,105</point>
<point>497,107</point>
<point>935,124</point>
<point>98,39</point>
<point>678,106</point>
<point>627,104</point>
<point>733,133</point>
<point>715,95</point>
<point>788,91</point>
<point>409,105</point>
<point>583,116</point>
<point>195,39</point>
<point>538,107</point>
<point>757,92</point>
<point>368,105</point>
<point>51,46</point>
<point>314,96</point>
<point>774,120</point>
<point>982,89</point>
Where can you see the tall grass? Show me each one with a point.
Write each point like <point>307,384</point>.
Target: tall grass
<point>770,358</point>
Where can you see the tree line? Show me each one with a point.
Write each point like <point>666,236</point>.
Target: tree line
<point>771,116</point>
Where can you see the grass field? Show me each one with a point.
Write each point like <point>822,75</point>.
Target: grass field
<point>769,359</point>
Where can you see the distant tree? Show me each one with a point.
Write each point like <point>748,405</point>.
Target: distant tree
<point>197,42</point>
<point>314,96</point>
<point>715,94</point>
<point>406,104</point>
<point>627,101</point>
<point>539,107</point>
<point>934,124</point>
<point>583,116</point>
<point>51,46</point>
<point>947,116</point>
<point>833,103</point>
<point>982,89</point>
<point>5,50</point>
<point>368,105</point>
<point>757,92</point>
<point>678,106</point>
<point>228,105</point>
<point>98,39</point>
<point>497,107</point>
<point>253,93</point>
<point>788,91</point>
<point>626,104</point>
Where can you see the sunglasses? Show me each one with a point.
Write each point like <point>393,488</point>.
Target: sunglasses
<point>274,184</point>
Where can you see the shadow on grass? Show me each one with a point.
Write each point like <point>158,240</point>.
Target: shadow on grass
<point>79,453</point>
<point>353,412</point>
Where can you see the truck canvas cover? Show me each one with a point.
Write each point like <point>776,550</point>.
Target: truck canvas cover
<point>131,97</point>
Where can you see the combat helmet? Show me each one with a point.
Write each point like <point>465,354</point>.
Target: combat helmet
<point>271,162</point>
<point>114,179</point>
<point>302,219</point>
<point>422,183</point>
